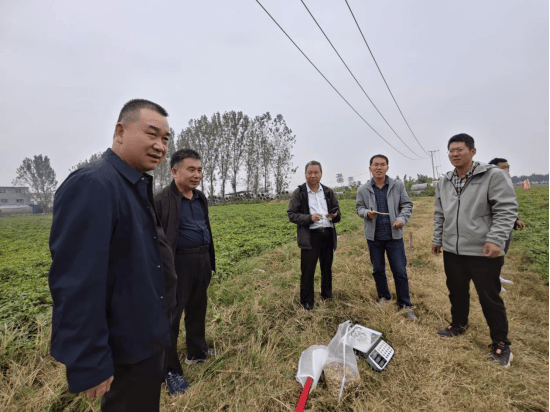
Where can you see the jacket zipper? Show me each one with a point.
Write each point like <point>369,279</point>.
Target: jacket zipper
<point>457,235</point>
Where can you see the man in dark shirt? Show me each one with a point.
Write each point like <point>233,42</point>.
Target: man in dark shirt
<point>112,280</point>
<point>384,204</point>
<point>183,210</point>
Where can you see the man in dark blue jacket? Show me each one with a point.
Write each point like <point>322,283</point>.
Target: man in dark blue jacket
<point>112,278</point>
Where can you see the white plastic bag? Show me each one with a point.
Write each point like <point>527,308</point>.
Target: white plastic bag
<point>341,372</point>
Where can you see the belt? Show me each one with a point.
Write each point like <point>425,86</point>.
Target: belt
<point>192,250</point>
<point>321,229</point>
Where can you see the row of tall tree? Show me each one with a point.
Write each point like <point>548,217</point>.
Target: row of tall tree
<point>236,149</point>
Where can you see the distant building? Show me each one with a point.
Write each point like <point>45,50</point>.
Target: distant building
<point>16,201</point>
<point>15,196</point>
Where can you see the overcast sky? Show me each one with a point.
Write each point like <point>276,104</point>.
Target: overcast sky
<point>479,67</point>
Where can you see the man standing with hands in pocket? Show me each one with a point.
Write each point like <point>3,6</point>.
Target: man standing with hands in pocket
<point>475,210</point>
<point>391,203</point>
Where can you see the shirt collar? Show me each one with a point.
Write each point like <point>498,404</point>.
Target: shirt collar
<point>386,181</point>
<point>124,168</point>
<point>311,191</point>
<point>195,195</point>
<point>469,172</point>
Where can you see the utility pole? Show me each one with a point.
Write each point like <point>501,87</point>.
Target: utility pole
<point>432,152</point>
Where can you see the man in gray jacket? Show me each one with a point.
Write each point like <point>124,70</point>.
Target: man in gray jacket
<point>475,210</point>
<point>384,204</point>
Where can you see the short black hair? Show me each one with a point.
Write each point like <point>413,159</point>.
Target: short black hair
<point>462,137</point>
<point>498,160</point>
<point>183,154</point>
<point>381,156</point>
<point>130,110</point>
<point>314,163</point>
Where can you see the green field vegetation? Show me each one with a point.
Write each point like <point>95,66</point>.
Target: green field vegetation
<point>255,322</point>
<point>533,211</point>
<point>245,230</point>
<point>239,231</point>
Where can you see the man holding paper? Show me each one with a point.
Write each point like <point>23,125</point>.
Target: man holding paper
<point>385,206</point>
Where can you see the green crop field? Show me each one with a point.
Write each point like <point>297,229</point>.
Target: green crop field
<point>239,231</point>
<point>256,324</point>
<point>533,211</point>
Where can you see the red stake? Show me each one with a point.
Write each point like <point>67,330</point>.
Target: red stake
<point>303,397</point>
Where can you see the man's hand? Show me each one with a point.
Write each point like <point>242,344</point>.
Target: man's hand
<point>332,215</point>
<point>436,250</point>
<point>398,224</point>
<point>371,215</point>
<point>520,224</point>
<point>316,217</point>
<point>99,390</point>
<point>491,250</point>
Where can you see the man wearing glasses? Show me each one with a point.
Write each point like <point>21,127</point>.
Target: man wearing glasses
<point>475,210</point>
<point>384,204</point>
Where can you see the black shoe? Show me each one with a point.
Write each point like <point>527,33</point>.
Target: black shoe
<point>307,307</point>
<point>326,299</point>
<point>500,352</point>
<point>452,331</point>
<point>176,383</point>
<point>209,352</point>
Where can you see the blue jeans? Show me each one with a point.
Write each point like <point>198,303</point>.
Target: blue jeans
<point>395,249</point>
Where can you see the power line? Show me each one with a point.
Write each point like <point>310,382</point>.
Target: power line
<point>402,115</point>
<point>336,90</point>
<point>356,81</point>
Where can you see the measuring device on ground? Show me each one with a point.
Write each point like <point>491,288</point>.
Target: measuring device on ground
<point>368,344</point>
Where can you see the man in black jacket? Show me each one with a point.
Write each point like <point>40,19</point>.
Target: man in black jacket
<point>183,212</point>
<point>112,277</point>
<point>314,208</point>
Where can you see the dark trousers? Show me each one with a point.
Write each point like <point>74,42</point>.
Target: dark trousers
<point>484,272</point>
<point>136,387</point>
<point>194,274</point>
<point>395,249</point>
<point>322,249</point>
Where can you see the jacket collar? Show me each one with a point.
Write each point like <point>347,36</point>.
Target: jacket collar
<point>124,168</point>
<point>480,168</point>
<point>389,181</point>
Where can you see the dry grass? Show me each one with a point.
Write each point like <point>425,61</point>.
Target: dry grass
<point>259,331</point>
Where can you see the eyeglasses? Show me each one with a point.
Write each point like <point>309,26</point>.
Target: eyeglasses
<point>376,165</point>
<point>458,151</point>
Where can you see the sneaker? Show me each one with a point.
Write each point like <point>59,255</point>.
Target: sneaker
<point>209,352</point>
<point>176,383</point>
<point>382,301</point>
<point>307,307</point>
<point>409,313</point>
<point>500,352</point>
<point>451,331</point>
<point>502,280</point>
<point>326,299</point>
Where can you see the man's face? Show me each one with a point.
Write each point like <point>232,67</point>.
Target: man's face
<point>379,167</point>
<point>144,142</point>
<point>313,175</point>
<point>460,156</point>
<point>504,166</point>
<point>188,175</point>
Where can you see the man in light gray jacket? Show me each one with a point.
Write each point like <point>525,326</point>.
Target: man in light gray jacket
<point>475,210</point>
<point>384,204</point>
